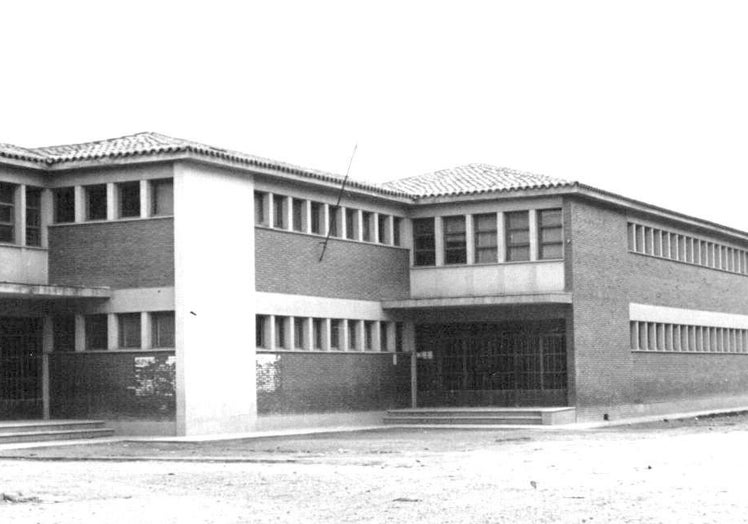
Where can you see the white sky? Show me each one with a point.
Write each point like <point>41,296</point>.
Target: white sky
<point>647,99</point>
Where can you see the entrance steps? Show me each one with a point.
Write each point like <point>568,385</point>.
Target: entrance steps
<point>488,416</point>
<point>20,431</point>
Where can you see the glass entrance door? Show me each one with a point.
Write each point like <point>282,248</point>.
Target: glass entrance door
<point>20,368</point>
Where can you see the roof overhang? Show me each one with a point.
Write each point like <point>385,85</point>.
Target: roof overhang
<point>45,292</point>
<point>500,300</point>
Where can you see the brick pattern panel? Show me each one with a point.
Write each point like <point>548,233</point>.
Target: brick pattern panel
<point>289,263</point>
<point>606,278</point>
<point>127,254</point>
<point>112,385</point>
<point>333,382</point>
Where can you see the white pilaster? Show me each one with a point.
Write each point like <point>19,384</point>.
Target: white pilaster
<point>112,207</point>
<point>145,199</point>
<point>80,203</point>
<point>470,239</point>
<point>533,234</point>
<point>270,332</point>
<point>376,339</point>
<point>288,209</point>
<point>47,214</point>
<point>375,228</point>
<point>270,214</point>
<point>342,223</point>
<point>326,322</point>
<point>501,237</point>
<point>309,333</point>
<point>359,225</point>
<point>439,240</point>
<point>145,331</point>
<point>112,331</point>
<point>80,333</point>
<point>20,215</point>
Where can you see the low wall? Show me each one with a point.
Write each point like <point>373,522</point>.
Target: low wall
<point>307,383</point>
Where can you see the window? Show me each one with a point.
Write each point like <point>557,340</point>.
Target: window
<point>396,225</point>
<point>317,218</point>
<point>96,202</point>
<point>517,236</point>
<point>279,211</point>
<point>318,325</point>
<point>33,216</point>
<point>7,212</point>
<point>424,245</point>
<point>367,219</point>
<point>261,331</point>
<point>162,329</point>
<point>455,246</point>
<point>129,330</point>
<point>97,331</point>
<point>486,249</point>
<point>383,222</point>
<point>64,203</point>
<point>335,324</point>
<point>352,332</point>
<point>280,332</point>
<point>63,333</point>
<point>351,224</point>
<point>298,333</point>
<point>261,213</point>
<point>383,336</point>
<point>368,335</point>
<point>162,197</point>
<point>298,215</point>
<point>334,220</point>
<point>129,199</point>
<point>550,235</point>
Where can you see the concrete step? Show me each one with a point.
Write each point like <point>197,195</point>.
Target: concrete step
<point>471,420</point>
<point>46,436</point>
<point>531,416</point>
<point>31,426</point>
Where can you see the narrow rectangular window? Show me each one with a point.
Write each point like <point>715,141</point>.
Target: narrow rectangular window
<point>317,220</point>
<point>317,327</point>
<point>368,335</point>
<point>397,223</point>
<point>129,199</point>
<point>7,212</point>
<point>129,330</point>
<point>298,332</point>
<point>261,216</point>
<point>486,240</point>
<point>97,331</point>
<point>33,216</point>
<point>383,336</point>
<point>517,236</point>
<point>657,243</point>
<point>334,221</point>
<point>551,237</point>
<point>280,332</point>
<point>367,225</point>
<point>64,204</point>
<point>424,242</point>
<point>352,332</point>
<point>631,236</point>
<point>383,221</point>
<point>63,333</point>
<point>96,202</point>
<point>335,324</point>
<point>261,333</point>
<point>162,329</point>
<point>455,243</point>
<point>279,211</point>
<point>351,225</point>
<point>639,239</point>
<point>298,214</point>
<point>634,331</point>
<point>162,197</point>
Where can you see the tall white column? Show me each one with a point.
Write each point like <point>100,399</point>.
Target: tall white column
<point>80,203</point>
<point>112,210</point>
<point>470,239</point>
<point>145,331</point>
<point>439,240</point>
<point>533,234</point>
<point>145,198</point>
<point>501,236</point>
<point>112,331</point>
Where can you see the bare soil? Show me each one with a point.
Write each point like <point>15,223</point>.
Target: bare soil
<point>675,471</point>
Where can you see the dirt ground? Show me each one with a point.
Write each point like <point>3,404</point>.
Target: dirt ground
<point>680,471</point>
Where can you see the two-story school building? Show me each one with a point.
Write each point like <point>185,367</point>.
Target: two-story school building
<point>175,288</point>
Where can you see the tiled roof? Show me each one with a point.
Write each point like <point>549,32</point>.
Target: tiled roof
<point>149,144</point>
<point>472,179</point>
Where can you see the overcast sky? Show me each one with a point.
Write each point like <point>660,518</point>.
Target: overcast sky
<point>647,99</point>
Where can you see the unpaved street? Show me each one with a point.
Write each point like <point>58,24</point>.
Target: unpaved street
<point>657,473</point>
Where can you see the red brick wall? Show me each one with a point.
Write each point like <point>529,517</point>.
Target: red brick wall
<point>126,254</point>
<point>331,382</point>
<point>606,278</point>
<point>289,263</point>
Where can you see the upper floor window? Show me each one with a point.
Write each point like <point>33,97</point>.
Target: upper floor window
<point>64,204</point>
<point>297,214</point>
<point>335,333</point>
<point>7,212</point>
<point>517,236</point>
<point>163,197</point>
<point>424,244</point>
<point>485,238</point>
<point>335,221</point>
<point>396,225</point>
<point>317,332</point>
<point>317,211</point>
<point>455,245</point>
<point>351,224</point>
<point>129,199</point>
<point>550,234</point>
<point>299,333</point>
<point>261,331</point>
<point>261,214</point>
<point>33,216</point>
<point>383,223</point>
<point>279,211</point>
<point>129,330</point>
<point>367,225</point>
<point>97,331</point>
<point>96,202</point>
<point>162,329</point>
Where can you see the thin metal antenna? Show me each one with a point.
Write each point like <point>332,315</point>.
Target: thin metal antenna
<point>337,204</point>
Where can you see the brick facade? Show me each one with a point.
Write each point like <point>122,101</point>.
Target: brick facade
<point>289,263</point>
<point>122,254</point>
<point>606,278</point>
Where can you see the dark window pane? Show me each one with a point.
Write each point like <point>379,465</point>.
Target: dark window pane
<point>162,329</point>
<point>350,224</point>
<point>6,214</point>
<point>6,233</point>
<point>334,334</point>
<point>317,219</point>
<point>97,330</point>
<point>424,242</point>
<point>260,331</point>
<point>298,214</point>
<point>279,215</point>
<point>455,246</point>
<point>260,212</point>
<point>366,226</point>
<point>334,221</point>
<point>298,333</point>
<point>7,193</point>
<point>96,202</point>
<point>163,197</point>
<point>397,224</point>
<point>518,254</point>
<point>63,333</point>
<point>551,251</point>
<point>384,233</point>
<point>129,199</point>
<point>64,199</point>
<point>129,330</point>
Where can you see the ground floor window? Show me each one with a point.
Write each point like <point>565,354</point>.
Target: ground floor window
<point>129,330</point>
<point>162,329</point>
<point>97,331</point>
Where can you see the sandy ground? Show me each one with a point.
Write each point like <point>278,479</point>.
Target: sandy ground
<point>695,471</point>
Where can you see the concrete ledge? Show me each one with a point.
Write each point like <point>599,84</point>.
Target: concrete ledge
<point>543,298</point>
<point>10,289</point>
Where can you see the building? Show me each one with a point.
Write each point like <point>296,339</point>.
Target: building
<point>175,288</point>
